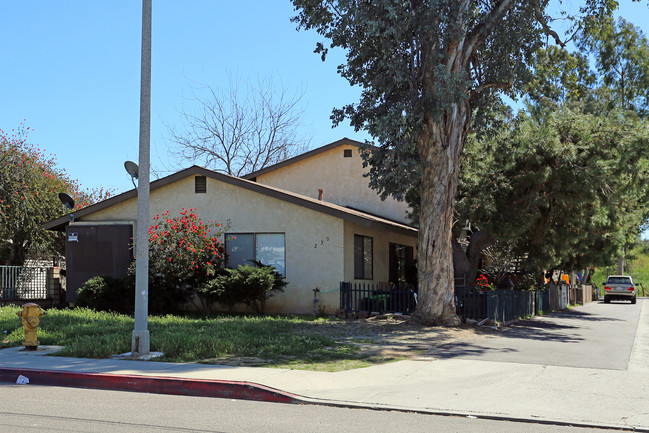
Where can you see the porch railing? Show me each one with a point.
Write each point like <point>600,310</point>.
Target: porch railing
<point>23,282</point>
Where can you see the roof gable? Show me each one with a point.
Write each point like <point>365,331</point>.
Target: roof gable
<point>303,156</point>
<point>300,200</point>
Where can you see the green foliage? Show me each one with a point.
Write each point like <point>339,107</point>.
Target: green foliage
<point>105,293</point>
<point>184,254</point>
<point>622,57</point>
<point>424,68</point>
<point>529,281</point>
<point>249,285</point>
<point>559,76</point>
<point>566,189</point>
<point>596,166</point>
<point>638,268</point>
<point>636,265</point>
<point>30,183</point>
<point>419,61</point>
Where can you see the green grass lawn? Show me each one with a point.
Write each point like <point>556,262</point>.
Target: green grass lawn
<point>272,340</point>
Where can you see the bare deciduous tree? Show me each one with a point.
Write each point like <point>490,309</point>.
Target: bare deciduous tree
<point>238,132</point>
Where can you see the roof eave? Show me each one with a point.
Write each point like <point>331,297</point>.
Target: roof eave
<point>357,217</point>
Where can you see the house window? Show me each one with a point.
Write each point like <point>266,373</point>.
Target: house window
<point>347,153</point>
<point>363,258</point>
<point>402,264</point>
<point>200,184</point>
<point>267,248</point>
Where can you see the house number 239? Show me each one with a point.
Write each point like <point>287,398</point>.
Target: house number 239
<point>322,241</point>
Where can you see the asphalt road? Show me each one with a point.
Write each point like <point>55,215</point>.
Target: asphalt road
<point>597,335</point>
<point>30,408</point>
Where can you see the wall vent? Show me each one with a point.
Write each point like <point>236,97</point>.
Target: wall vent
<point>200,184</point>
<point>347,153</point>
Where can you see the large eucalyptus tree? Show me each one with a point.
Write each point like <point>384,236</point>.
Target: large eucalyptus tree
<point>425,66</point>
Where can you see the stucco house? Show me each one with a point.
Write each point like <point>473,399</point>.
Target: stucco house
<point>313,217</point>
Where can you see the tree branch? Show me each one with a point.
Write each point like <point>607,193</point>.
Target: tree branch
<point>477,37</point>
<point>538,14</point>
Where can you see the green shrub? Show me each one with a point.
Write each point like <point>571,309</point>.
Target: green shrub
<point>529,281</point>
<point>248,285</point>
<point>105,293</point>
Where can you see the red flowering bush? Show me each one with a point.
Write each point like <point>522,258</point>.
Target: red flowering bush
<point>30,182</point>
<point>184,254</point>
<point>482,284</point>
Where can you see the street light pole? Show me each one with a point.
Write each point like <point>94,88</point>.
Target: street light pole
<point>140,343</point>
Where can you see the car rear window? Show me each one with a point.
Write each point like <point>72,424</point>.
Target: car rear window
<point>619,280</point>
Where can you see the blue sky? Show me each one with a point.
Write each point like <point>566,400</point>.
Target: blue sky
<point>71,71</point>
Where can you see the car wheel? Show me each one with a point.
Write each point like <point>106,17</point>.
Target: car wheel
<point>607,300</point>
<point>633,300</point>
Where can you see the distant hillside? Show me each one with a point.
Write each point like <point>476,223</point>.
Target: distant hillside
<point>637,265</point>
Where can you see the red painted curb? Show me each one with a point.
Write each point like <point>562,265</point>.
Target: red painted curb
<point>151,384</point>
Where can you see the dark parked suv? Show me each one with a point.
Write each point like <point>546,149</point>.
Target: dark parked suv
<point>619,287</point>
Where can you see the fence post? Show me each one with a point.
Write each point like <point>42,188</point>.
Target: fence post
<point>53,282</point>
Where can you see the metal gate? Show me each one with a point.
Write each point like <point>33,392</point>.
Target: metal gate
<point>23,282</point>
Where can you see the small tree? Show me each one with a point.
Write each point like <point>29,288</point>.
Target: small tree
<point>237,133</point>
<point>30,182</point>
<point>184,253</point>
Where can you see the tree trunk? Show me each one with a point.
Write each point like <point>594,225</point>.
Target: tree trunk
<point>439,149</point>
<point>461,263</point>
<point>466,262</point>
<point>17,253</point>
<point>585,275</point>
<point>620,264</point>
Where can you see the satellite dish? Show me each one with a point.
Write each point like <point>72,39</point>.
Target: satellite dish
<point>66,200</point>
<point>133,170</point>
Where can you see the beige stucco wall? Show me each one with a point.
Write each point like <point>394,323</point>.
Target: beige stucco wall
<point>380,250</point>
<point>341,179</point>
<point>313,240</point>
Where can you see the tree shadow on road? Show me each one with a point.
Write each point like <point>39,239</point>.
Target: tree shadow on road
<point>559,327</point>
<point>537,329</point>
<point>576,314</point>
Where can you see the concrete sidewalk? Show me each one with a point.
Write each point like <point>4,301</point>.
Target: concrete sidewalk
<point>538,393</point>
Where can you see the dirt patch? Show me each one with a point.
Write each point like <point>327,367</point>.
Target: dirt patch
<point>366,342</point>
<point>394,336</point>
